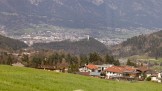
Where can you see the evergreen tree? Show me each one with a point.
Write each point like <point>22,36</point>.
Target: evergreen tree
<point>83,60</point>
<point>129,63</point>
<point>95,58</point>
<point>109,59</point>
<point>9,60</point>
<point>116,63</point>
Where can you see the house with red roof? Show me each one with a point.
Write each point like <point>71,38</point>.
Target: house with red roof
<point>114,71</point>
<point>94,70</point>
<point>120,71</point>
<point>88,68</point>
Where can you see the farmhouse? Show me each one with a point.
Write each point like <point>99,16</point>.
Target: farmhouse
<point>88,68</point>
<point>103,67</point>
<point>93,70</point>
<point>114,71</point>
<point>120,72</point>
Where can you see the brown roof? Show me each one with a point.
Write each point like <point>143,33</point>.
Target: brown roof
<point>116,69</point>
<point>143,69</point>
<point>120,69</point>
<point>128,68</point>
<point>91,66</point>
<point>151,72</point>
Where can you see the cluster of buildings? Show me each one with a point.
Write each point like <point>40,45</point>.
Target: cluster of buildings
<point>120,72</point>
<point>50,36</point>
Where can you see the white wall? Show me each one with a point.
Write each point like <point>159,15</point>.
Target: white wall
<point>159,75</point>
<point>154,79</point>
<point>112,74</point>
<point>85,69</point>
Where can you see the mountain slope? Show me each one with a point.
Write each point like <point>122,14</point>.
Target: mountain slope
<point>84,46</point>
<point>150,45</point>
<point>18,14</point>
<point>10,44</point>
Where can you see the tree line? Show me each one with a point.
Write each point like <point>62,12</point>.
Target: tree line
<point>60,60</point>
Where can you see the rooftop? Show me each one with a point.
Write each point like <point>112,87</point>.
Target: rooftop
<point>91,66</point>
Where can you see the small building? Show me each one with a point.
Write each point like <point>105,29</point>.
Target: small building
<point>151,73</point>
<point>18,64</point>
<point>88,68</point>
<point>142,72</point>
<point>159,77</point>
<point>154,78</point>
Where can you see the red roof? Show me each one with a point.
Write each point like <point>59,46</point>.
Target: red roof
<point>91,66</point>
<point>128,68</point>
<point>115,69</point>
<point>120,69</point>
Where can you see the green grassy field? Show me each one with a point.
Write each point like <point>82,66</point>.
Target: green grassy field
<point>27,79</point>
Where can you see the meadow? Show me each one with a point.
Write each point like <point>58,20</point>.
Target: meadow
<point>28,79</point>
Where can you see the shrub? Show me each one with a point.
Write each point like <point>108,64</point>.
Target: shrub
<point>148,78</point>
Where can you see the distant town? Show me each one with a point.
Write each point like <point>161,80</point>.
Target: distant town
<point>54,34</point>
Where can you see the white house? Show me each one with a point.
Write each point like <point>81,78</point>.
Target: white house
<point>114,71</point>
<point>94,68</point>
<point>88,68</point>
<point>103,67</point>
<point>120,71</point>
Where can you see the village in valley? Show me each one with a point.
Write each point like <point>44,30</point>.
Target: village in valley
<point>127,72</point>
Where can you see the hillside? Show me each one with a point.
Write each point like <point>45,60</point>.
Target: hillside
<point>26,79</point>
<point>10,44</point>
<point>84,46</point>
<point>20,14</point>
<point>150,45</point>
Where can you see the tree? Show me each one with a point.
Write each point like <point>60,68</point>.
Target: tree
<point>95,58</point>
<point>25,59</point>
<point>130,63</point>
<point>116,63</point>
<point>9,60</point>
<point>54,59</point>
<point>83,60</point>
<point>37,60</point>
<point>73,63</point>
<point>109,59</point>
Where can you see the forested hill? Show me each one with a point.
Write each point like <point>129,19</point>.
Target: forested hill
<point>10,44</point>
<point>150,45</point>
<point>84,46</point>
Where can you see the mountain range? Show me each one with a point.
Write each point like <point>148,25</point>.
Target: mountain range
<point>19,14</point>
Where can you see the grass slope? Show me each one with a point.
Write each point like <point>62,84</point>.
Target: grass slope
<point>27,79</point>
